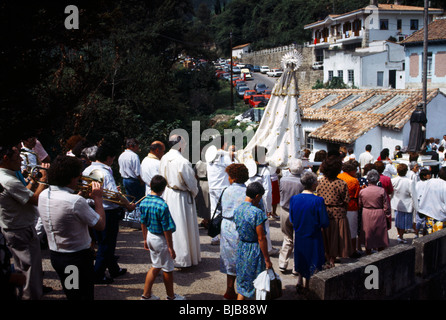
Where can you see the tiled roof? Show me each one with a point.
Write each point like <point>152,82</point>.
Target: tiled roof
<point>241,46</point>
<point>366,109</point>
<point>436,31</point>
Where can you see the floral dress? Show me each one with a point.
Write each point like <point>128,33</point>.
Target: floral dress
<point>250,261</point>
<point>232,198</point>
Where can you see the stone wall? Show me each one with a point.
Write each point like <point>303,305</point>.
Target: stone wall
<point>414,272</point>
<point>273,57</point>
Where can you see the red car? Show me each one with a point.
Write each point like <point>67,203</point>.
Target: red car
<point>267,94</point>
<point>247,95</point>
<point>256,99</point>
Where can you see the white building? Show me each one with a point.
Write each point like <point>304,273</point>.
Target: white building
<point>436,56</point>
<point>355,118</point>
<point>361,46</point>
<point>241,49</point>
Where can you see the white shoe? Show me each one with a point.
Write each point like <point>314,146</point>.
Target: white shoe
<point>401,240</point>
<point>176,297</point>
<point>152,297</point>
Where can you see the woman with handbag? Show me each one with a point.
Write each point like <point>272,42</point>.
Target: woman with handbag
<point>252,249</point>
<point>233,196</point>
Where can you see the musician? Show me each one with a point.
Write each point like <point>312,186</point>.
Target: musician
<point>106,239</point>
<point>66,217</point>
<point>18,214</point>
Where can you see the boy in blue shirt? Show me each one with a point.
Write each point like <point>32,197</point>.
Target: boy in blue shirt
<point>157,227</point>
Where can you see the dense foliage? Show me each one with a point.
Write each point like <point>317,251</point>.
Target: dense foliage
<point>118,75</point>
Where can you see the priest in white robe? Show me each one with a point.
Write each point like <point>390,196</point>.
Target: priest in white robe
<point>180,197</point>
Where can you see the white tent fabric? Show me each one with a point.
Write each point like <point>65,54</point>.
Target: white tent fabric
<point>280,129</point>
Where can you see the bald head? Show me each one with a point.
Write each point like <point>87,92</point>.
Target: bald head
<point>157,148</point>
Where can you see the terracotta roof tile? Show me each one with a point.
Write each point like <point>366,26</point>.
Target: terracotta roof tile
<point>436,31</point>
<point>345,125</point>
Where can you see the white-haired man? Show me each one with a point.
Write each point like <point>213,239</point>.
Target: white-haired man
<point>290,185</point>
<point>180,197</point>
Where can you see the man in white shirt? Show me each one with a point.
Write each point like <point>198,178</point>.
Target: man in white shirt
<point>366,157</point>
<point>150,165</point>
<point>182,188</point>
<point>105,256</point>
<point>130,170</point>
<point>67,217</point>
<point>432,200</point>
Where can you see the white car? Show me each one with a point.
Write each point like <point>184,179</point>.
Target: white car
<point>264,69</point>
<point>245,72</point>
<point>274,73</point>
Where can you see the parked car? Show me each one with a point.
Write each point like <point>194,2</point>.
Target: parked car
<point>241,91</point>
<point>249,66</point>
<point>240,83</point>
<point>264,69</point>
<point>236,70</point>
<point>256,99</point>
<point>247,95</point>
<point>260,88</point>
<point>246,73</point>
<point>267,94</point>
<point>256,68</point>
<point>234,83</point>
<point>274,73</point>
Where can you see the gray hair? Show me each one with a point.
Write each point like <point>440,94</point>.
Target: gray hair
<point>308,179</point>
<point>373,176</point>
<point>295,166</point>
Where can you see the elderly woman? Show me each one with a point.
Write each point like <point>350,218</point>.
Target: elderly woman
<point>337,237</point>
<point>233,196</point>
<point>403,201</point>
<point>252,249</point>
<point>308,215</point>
<point>375,211</point>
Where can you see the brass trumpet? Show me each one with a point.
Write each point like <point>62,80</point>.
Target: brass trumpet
<point>108,195</point>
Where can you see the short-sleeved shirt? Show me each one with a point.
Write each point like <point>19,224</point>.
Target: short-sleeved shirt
<point>247,217</point>
<point>108,183</point>
<point>15,211</point>
<point>129,164</point>
<point>155,215</point>
<point>66,217</point>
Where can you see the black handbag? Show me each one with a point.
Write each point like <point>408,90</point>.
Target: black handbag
<point>275,288</point>
<point>214,227</point>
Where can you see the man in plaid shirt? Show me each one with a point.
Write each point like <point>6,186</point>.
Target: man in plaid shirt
<point>157,227</point>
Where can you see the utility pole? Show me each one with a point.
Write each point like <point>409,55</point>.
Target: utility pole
<point>425,41</point>
<point>232,88</point>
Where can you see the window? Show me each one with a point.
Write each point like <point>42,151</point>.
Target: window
<point>341,74</point>
<point>413,24</point>
<point>330,75</point>
<point>429,64</point>
<point>383,24</point>
<point>309,143</point>
<point>380,78</point>
<point>351,76</point>
<point>398,24</point>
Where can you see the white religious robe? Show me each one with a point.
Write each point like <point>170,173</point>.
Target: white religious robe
<point>150,167</point>
<point>217,177</point>
<point>180,197</point>
<point>432,199</point>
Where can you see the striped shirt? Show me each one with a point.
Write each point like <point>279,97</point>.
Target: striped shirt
<point>155,215</point>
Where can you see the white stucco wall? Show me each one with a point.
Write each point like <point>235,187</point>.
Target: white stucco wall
<point>436,117</point>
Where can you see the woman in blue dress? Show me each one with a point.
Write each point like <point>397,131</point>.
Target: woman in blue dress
<point>252,249</point>
<point>233,197</point>
<point>308,215</point>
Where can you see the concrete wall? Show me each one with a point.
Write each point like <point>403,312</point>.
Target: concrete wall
<point>273,58</point>
<point>414,272</point>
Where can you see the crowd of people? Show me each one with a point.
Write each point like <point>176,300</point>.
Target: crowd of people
<point>339,207</point>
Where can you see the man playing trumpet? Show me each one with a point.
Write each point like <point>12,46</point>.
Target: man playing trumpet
<point>67,217</point>
<point>106,239</point>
